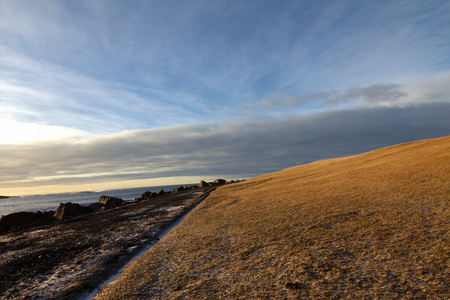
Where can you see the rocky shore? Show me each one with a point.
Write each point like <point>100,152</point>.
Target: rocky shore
<point>66,253</point>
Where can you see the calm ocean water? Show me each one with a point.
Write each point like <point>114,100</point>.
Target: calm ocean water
<point>52,201</point>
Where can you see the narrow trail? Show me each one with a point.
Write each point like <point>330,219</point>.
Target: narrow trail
<point>91,294</point>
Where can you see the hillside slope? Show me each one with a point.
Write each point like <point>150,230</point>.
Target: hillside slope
<point>370,225</point>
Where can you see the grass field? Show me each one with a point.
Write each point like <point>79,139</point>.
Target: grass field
<point>374,225</point>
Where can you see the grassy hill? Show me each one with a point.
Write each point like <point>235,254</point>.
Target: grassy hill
<point>365,226</point>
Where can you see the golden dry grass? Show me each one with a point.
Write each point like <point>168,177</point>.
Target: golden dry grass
<point>374,225</point>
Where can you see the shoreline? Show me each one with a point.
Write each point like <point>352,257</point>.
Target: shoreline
<point>72,258</point>
<point>50,201</point>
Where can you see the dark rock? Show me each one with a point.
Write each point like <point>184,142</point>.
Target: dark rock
<point>220,181</point>
<point>46,216</point>
<point>111,202</point>
<point>204,184</point>
<point>70,210</point>
<point>194,187</point>
<point>148,195</point>
<point>179,189</point>
<point>96,206</point>
<point>25,219</point>
<point>160,192</point>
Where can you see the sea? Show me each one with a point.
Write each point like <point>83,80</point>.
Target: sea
<point>52,201</point>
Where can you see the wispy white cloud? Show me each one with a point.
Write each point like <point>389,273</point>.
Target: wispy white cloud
<point>41,92</point>
<point>185,60</point>
<point>229,51</point>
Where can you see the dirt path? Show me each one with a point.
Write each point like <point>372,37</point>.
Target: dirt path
<point>71,258</point>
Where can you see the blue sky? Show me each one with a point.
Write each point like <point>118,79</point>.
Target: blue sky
<point>79,72</point>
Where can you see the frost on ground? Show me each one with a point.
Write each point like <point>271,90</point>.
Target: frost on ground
<point>71,258</point>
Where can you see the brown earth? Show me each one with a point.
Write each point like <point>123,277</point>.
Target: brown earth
<point>369,226</point>
<point>72,257</point>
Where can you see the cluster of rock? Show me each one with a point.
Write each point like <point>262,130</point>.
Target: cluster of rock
<point>214,183</point>
<point>68,210</point>
<point>184,188</point>
<point>149,195</point>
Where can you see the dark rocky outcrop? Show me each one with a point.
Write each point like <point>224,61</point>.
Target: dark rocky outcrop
<point>111,202</point>
<point>160,192</point>
<point>220,181</point>
<point>97,206</point>
<point>147,195</point>
<point>204,184</point>
<point>150,195</point>
<point>179,189</point>
<point>25,219</point>
<point>213,183</point>
<point>71,210</point>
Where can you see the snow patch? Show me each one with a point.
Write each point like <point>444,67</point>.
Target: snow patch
<point>174,208</point>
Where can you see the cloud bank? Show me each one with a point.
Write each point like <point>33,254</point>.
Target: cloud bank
<point>242,149</point>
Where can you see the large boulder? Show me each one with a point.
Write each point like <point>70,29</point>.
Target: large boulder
<point>160,192</point>
<point>220,181</point>
<point>111,202</point>
<point>96,206</point>
<point>148,195</point>
<point>204,184</point>
<point>25,219</point>
<point>70,210</point>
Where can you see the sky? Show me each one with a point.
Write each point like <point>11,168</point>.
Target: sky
<point>113,94</point>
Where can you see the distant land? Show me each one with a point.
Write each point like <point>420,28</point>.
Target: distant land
<point>373,225</point>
